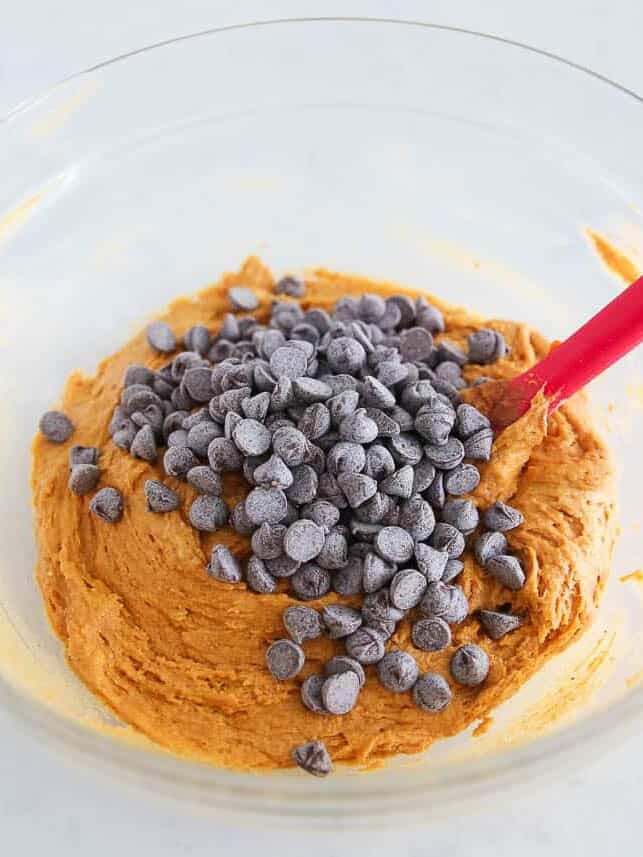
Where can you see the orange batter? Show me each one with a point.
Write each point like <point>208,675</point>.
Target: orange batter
<point>180,656</point>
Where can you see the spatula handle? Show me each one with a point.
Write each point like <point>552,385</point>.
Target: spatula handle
<point>600,342</point>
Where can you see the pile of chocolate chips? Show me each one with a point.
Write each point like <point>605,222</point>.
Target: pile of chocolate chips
<point>350,431</point>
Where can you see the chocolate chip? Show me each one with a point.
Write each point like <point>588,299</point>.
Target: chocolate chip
<point>205,480</point>
<point>256,407</point>
<point>291,445</point>
<point>448,351</point>
<point>223,565</point>
<point>486,346</point>
<point>160,337</point>
<point>251,437</point>
<point>446,601</point>
<point>342,405</point>
<point>407,588</point>
<point>310,390</point>
<point>330,490</point>
<point>435,493</point>
<point>303,623</point>
<point>243,298</point>
<point>431,635</point>
<point>417,518</point>
<point>153,416</point>
<point>346,457</point>
<point>445,457</point>
<point>507,570</point>
<point>358,428</point>
<point>178,460</point>
<point>434,421</point>
<point>357,488</point>
<point>282,396</point>
<point>470,665</point>
<point>223,455</point>
<point>313,758</point>
<point>365,645</point>
<point>406,449</point>
<point>284,659</point>
<point>489,545</point>
<point>428,316</point>
<point>175,422</point>
<point>502,518</point>
<point>376,572</point>
<point>136,374</point>
<point>379,462</point>
<point>83,479</point>
<point>56,426</point>
<point>198,383</point>
<point>274,473</point>
<point>341,664</point>
<point>288,362</point>
<point>478,445</point>
<point>311,693</point>
<point>239,520</point>
<point>431,693</point>
<point>375,394</point>
<point>394,544</point>
<point>406,309</point>
<point>462,480</point>
<point>315,421</point>
<point>83,455</point>
<point>208,513</point>
<point>391,372</point>
<point>310,582</point>
<point>452,569</point>
<point>386,425</point>
<point>198,339</point>
<point>416,343</point>
<point>397,671</point>
<point>323,513</point>
<point>334,554</point>
<point>423,476</point>
<point>340,692</point>
<point>159,497</point>
<point>461,514</point>
<point>348,580</point>
<point>267,541</point>
<point>303,540</point>
<point>496,625</point>
<point>282,566</point>
<point>399,483</point>
<point>266,505</point>
<point>144,445</point>
<point>341,620</point>
<point>178,438</point>
<point>294,287</point>
<point>378,611</point>
<point>107,505</point>
<point>258,577</point>
<point>137,398</point>
<point>304,485</point>
<point>448,538</point>
<point>346,355</point>
<point>430,562</point>
<point>469,420</point>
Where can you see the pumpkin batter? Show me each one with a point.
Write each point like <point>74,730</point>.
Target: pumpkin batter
<point>181,656</point>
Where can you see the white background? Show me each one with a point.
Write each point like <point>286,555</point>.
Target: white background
<point>45,806</point>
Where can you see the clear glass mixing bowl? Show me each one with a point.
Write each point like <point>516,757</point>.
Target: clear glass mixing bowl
<point>450,160</point>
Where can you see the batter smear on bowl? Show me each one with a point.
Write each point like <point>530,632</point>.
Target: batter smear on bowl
<point>272,531</point>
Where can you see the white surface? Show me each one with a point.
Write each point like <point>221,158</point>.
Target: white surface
<point>44,805</point>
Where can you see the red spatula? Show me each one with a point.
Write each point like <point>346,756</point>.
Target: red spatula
<point>604,339</point>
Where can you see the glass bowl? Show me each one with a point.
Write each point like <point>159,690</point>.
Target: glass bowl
<point>449,160</point>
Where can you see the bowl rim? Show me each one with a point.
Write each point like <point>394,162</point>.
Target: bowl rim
<point>221,789</point>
